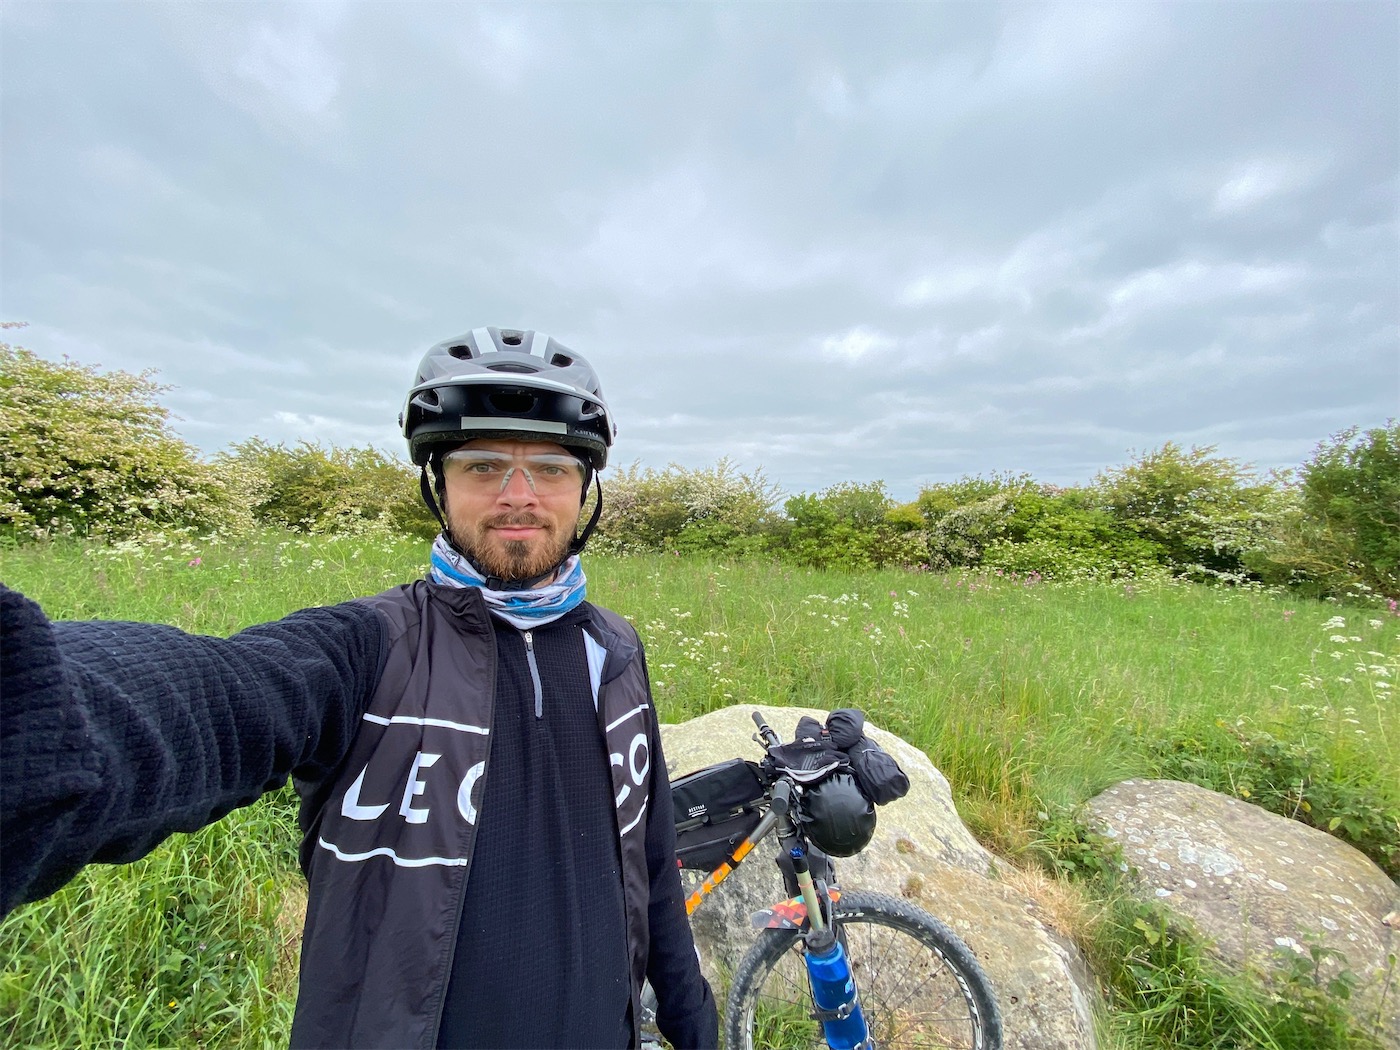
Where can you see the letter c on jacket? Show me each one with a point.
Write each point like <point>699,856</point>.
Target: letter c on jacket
<point>464,792</point>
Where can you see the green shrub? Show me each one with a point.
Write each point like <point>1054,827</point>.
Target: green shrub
<point>960,538</point>
<point>328,490</point>
<point>91,453</point>
<point>964,518</point>
<point>1339,532</point>
<point>937,500</point>
<point>1204,511</point>
<point>717,509</point>
<point>1059,534</point>
<point>849,526</point>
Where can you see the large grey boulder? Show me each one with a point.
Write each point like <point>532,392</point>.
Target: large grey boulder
<point>1260,886</point>
<point>922,852</point>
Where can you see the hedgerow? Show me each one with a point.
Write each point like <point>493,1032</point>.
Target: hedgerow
<point>88,452</point>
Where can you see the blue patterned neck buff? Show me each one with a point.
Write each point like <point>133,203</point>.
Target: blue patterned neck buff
<point>524,609</point>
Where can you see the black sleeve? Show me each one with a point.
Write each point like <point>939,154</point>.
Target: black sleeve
<point>685,1012</point>
<point>115,735</point>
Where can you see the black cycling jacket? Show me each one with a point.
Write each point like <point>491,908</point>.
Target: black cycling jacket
<point>114,735</point>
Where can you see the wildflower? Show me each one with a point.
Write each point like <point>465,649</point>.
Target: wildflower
<point>196,561</point>
<point>1287,615</point>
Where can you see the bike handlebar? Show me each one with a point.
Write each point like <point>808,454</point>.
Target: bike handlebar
<point>770,738</point>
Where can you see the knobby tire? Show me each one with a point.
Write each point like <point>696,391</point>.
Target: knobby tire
<point>920,987</point>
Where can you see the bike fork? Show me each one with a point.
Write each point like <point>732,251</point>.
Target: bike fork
<point>829,970</point>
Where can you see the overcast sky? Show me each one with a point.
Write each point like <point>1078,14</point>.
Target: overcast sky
<point>839,241</point>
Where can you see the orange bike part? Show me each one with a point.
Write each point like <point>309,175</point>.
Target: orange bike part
<point>788,914</point>
<point>717,876</point>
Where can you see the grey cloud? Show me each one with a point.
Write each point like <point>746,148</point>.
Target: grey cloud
<point>845,242</point>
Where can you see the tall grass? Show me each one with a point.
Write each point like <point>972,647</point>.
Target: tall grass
<point>1029,696</point>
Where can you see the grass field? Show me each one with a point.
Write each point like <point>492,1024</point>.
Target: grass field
<point>1029,696</point>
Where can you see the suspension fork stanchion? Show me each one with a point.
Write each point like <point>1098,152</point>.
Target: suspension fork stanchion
<point>816,912</point>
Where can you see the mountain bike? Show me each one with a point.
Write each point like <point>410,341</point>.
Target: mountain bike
<point>843,969</point>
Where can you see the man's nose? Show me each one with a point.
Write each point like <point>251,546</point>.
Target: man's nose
<point>517,489</point>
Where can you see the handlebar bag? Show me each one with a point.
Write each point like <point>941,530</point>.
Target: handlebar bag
<point>715,808</point>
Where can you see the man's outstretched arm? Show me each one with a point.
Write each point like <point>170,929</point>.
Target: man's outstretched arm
<point>115,735</point>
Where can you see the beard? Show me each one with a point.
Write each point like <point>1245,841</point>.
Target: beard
<point>511,560</point>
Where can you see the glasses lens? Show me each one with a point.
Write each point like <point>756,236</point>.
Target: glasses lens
<point>545,472</point>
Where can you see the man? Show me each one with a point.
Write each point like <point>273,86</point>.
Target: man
<point>488,841</point>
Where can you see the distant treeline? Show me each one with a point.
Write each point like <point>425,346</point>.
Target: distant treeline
<point>91,453</point>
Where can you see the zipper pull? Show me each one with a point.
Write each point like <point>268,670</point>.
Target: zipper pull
<point>529,637</point>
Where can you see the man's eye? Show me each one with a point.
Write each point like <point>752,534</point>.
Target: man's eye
<point>482,468</point>
<point>550,470</point>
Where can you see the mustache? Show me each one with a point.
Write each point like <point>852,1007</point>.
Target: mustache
<point>514,520</point>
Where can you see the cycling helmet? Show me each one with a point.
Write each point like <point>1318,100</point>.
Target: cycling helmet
<point>837,817</point>
<point>506,383</point>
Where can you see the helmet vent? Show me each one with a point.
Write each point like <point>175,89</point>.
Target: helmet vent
<point>512,402</point>
<point>561,360</point>
<point>459,351</point>
<point>511,338</point>
<point>513,366</point>
<point>428,399</point>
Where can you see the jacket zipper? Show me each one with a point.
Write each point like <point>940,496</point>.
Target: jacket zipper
<point>529,637</point>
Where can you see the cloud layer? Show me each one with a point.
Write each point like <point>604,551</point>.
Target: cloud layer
<point>898,242</point>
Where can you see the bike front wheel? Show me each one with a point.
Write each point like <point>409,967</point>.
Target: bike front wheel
<point>920,987</point>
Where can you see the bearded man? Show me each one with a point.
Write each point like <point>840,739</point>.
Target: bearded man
<point>488,834</point>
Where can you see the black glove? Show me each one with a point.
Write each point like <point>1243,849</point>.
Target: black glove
<point>877,773</point>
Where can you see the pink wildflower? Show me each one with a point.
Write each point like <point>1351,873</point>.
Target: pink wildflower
<point>196,561</point>
<point>1287,615</point>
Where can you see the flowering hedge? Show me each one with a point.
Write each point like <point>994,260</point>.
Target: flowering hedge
<point>86,452</point>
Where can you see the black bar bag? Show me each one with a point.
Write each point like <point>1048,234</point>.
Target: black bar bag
<point>716,807</point>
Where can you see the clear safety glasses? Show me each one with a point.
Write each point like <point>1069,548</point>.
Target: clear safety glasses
<point>547,473</point>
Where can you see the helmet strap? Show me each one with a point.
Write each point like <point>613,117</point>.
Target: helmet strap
<point>426,488</point>
<point>578,542</point>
